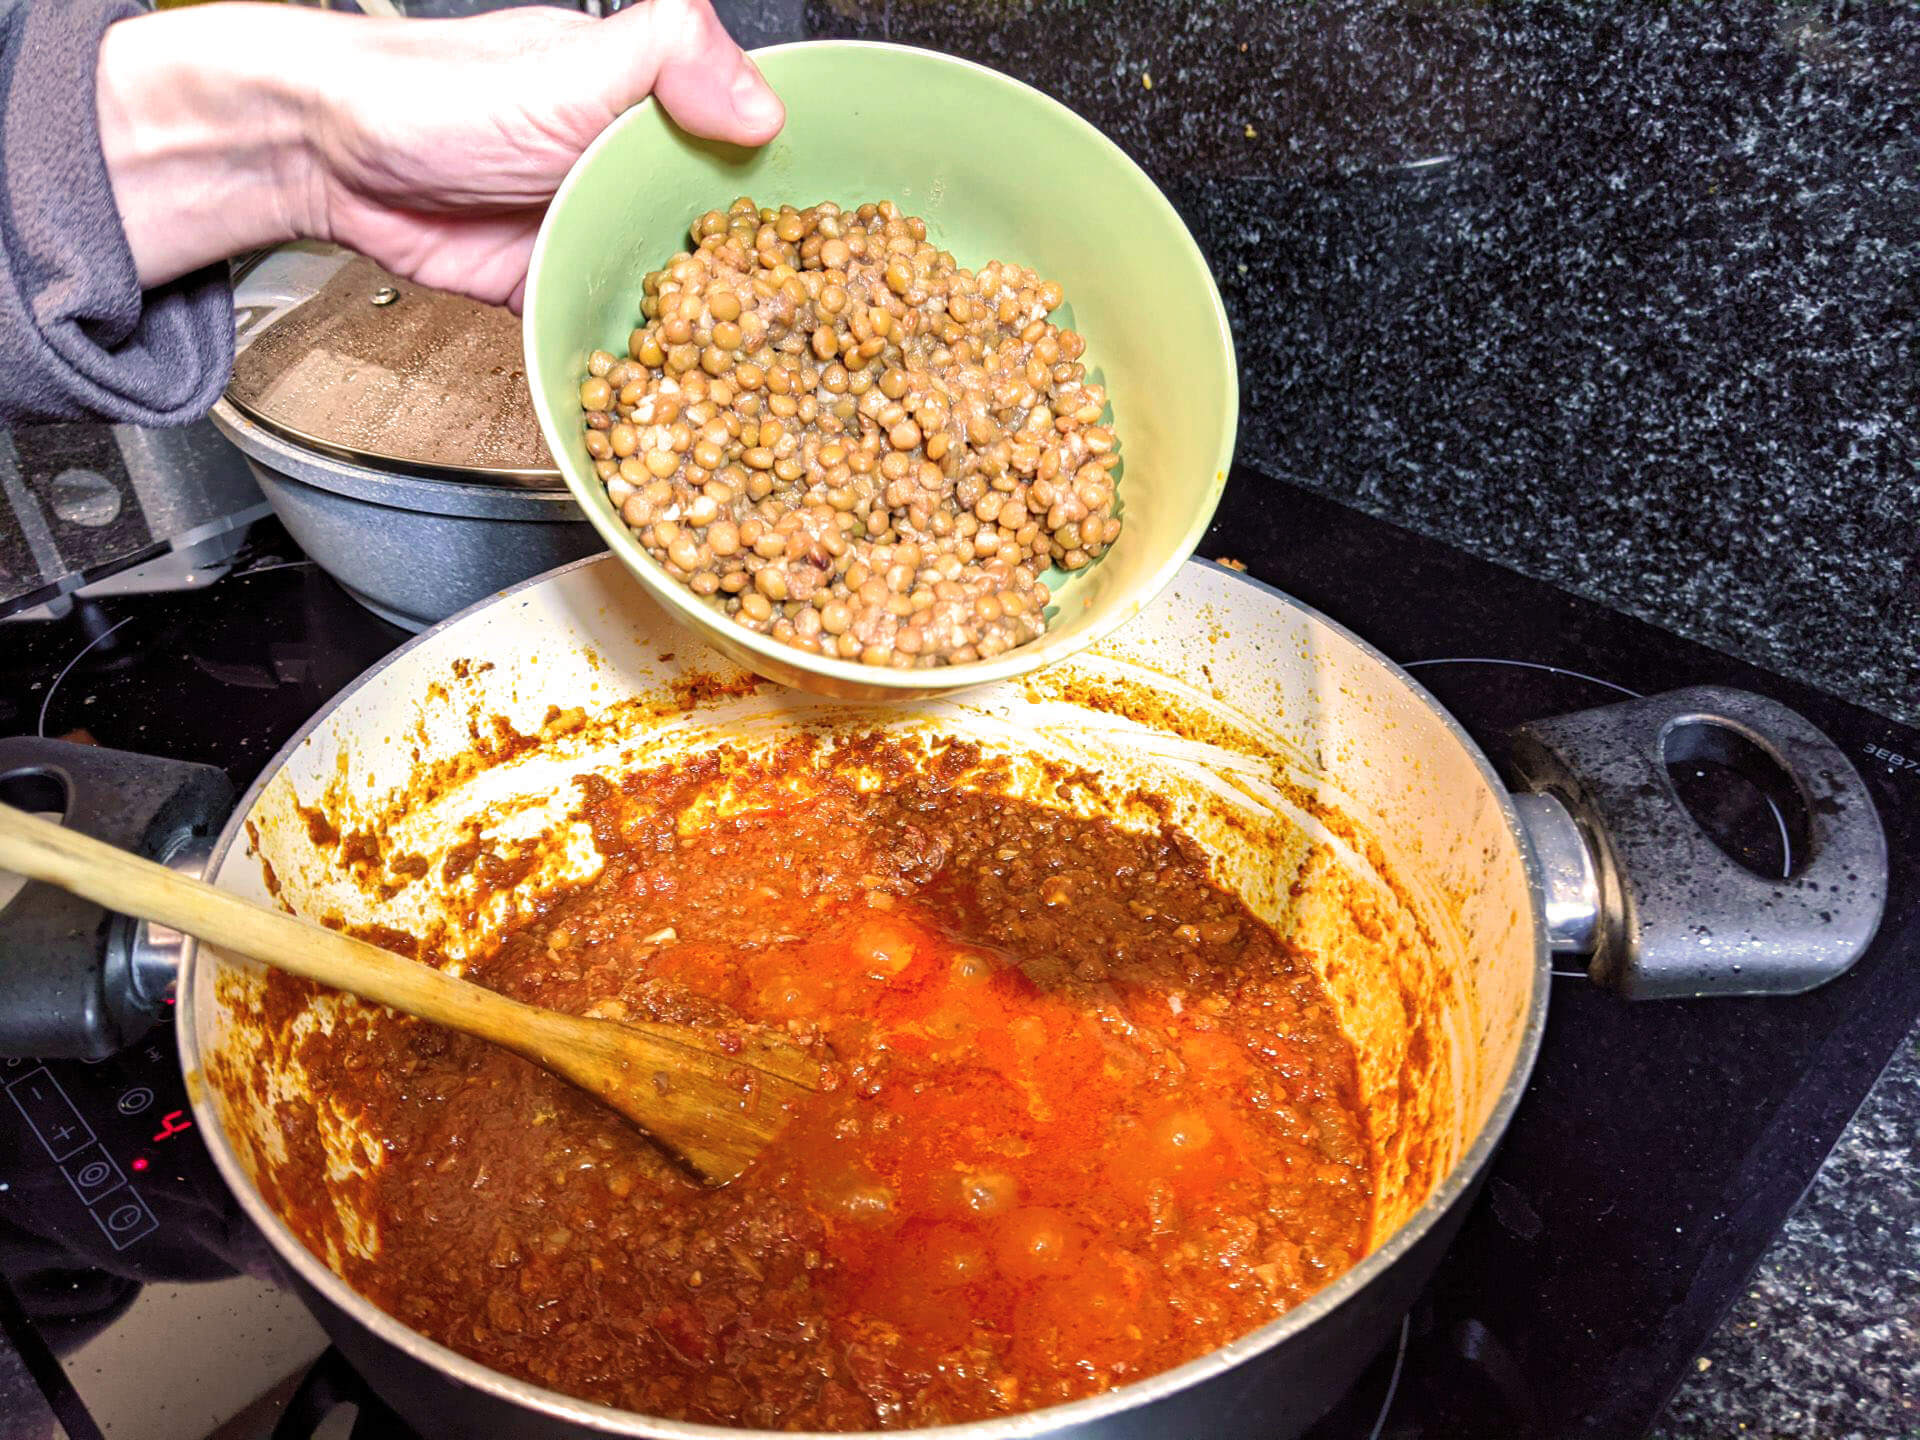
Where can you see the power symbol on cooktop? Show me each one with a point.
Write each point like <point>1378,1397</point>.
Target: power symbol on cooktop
<point>135,1100</point>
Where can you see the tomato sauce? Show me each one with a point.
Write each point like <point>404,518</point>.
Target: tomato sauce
<point>1085,1117</point>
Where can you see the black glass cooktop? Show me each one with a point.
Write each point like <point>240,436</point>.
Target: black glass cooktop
<point>1659,1149</point>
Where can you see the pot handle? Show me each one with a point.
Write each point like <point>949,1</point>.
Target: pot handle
<point>1635,881</point>
<point>77,980</point>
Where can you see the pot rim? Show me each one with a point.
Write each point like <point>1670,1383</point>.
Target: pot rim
<point>591,1415</point>
<point>398,489</point>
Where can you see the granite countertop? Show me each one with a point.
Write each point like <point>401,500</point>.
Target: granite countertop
<point>1825,1341</point>
<point>1624,297</point>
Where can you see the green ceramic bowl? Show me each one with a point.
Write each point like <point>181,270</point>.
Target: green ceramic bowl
<point>998,171</point>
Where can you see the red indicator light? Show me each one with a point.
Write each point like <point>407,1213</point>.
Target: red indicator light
<point>172,1125</point>
<point>140,1162</point>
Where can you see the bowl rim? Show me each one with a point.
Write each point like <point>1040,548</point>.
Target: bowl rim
<point>695,611</point>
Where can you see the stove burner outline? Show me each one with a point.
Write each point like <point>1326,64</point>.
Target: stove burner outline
<point>1393,1380</point>
<point>1522,665</point>
<point>46,703</point>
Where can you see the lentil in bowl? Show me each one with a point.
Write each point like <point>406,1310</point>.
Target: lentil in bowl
<point>851,443</point>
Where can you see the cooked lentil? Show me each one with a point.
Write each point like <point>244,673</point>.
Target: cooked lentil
<point>1086,1117</point>
<point>850,442</point>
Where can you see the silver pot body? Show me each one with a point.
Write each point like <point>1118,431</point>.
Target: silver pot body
<point>1344,805</point>
<point>411,548</point>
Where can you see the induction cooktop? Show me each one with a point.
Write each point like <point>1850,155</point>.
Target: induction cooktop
<point>1658,1150</point>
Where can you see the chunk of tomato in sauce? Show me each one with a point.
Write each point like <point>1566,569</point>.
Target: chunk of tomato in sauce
<point>931,1281</point>
<point>1038,1243</point>
<point>1184,1157</point>
<point>1100,1312</point>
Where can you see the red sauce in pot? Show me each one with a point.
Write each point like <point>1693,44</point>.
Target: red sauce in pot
<point>1085,1117</point>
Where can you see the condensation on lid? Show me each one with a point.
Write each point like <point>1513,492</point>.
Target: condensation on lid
<point>390,375</point>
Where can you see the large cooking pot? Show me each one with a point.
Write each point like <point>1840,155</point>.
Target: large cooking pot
<point>1334,794</point>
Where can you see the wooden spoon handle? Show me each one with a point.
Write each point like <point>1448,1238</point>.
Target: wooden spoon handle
<point>42,850</point>
<point>684,1087</point>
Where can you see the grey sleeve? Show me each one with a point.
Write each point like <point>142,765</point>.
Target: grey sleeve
<point>78,339</point>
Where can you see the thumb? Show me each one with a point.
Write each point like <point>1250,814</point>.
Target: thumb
<point>683,55</point>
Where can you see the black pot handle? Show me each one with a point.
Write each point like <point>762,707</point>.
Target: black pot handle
<point>77,980</point>
<point>1633,878</point>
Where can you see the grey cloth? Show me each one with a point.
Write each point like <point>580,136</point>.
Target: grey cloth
<point>78,339</point>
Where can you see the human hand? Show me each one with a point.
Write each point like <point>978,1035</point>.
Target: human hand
<point>438,157</point>
<point>431,146</point>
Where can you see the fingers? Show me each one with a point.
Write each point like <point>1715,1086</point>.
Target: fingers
<point>483,256</point>
<point>691,64</point>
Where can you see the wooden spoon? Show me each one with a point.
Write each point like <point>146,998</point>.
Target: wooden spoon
<point>683,1086</point>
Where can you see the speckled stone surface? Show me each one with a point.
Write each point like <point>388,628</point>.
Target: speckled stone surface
<point>1825,1343</point>
<point>23,1413</point>
<point>1623,296</point>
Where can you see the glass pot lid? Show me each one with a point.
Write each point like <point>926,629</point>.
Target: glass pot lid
<point>342,358</point>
